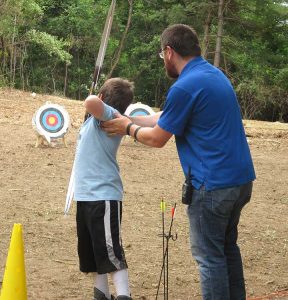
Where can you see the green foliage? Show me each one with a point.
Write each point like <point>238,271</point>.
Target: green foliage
<point>57,41</point>
<point>50,45</point>
<point>281,79</point>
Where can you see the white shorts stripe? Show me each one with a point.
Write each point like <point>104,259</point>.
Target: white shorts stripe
<point>119,224</point>
<point>108,235</point>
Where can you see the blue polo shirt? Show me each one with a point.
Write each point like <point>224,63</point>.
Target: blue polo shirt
<point>203,113</point>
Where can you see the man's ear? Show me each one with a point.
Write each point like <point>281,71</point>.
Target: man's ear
<point>100,97</point>
<point>170,52</point>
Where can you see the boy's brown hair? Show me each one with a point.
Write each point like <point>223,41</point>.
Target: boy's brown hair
<point>118,93</point>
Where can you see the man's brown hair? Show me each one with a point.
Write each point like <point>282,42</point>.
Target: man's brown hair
<point>118,93</point>
<point>182,38</point>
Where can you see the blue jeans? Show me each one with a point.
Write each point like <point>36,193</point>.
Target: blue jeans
<point>214,217</point>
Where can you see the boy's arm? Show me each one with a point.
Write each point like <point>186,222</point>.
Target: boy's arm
<point>94,106</point>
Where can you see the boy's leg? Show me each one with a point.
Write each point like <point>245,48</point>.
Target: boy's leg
<point>101,284</point>
<point>120,276</point>
<point>106,238</point>
<point>120,280</point>
<point>100,246</point>
<point>85,247</point>
<point>121,283</point>
<point>107,246</point>
<point>86,212</point>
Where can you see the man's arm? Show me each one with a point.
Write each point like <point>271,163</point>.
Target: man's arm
<point>154,137</point>
<point>146,121</point>
<point>94,106</point>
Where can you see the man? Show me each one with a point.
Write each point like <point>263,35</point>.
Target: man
<point>202,111</point>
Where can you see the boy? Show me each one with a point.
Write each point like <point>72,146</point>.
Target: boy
<point>99,191</point>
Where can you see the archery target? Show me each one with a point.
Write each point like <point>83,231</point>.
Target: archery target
<point>139,109</point>
<point>51,121</point>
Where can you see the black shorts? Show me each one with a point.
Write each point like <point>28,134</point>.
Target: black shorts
<point>99,236</point>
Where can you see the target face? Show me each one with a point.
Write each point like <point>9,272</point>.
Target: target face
<point>51,120</point>
<point>139,109</point>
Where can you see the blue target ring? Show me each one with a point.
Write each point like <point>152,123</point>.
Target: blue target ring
<point>139,112</point>
<point>56,116</point>
<point>139,109</point>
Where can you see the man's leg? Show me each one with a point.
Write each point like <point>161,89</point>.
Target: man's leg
<point>209,215</point>
<point>232,251</point>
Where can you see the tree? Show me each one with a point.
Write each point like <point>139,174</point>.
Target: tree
<point>50,46</point>
<point>219,33</point>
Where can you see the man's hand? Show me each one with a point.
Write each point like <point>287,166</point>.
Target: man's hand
<point>154,137</point>
<point>117,125</point>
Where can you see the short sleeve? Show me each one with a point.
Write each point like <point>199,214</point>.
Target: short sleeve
<point>177,111</point>
<point>108,112</point>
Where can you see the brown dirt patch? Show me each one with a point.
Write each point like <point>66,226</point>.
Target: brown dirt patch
<point>33,184</point>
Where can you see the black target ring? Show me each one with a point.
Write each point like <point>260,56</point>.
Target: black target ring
<point>54,114</point>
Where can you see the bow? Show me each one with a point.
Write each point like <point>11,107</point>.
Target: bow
<point>97,71</point>
<point>103,46</point>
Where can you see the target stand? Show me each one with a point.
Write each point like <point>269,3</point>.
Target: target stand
<point>50,122</point>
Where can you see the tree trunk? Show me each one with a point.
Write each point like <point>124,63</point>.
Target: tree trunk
<point>219,34</point>
<point>3,65</point>
<point>21,66</point>
<point>14,65</point>
<point>79,80</point>
<point>12,54</point>
<point>53,79</point>
<point>65,79</point>
<point>225,65</point>
<point>122,40</point>
<point>207,27</point>
<point>157,93</point>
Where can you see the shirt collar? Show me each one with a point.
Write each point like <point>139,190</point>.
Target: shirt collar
<point>191,64</point>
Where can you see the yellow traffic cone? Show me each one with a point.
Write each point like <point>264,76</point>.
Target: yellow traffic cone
<point>14,281</point>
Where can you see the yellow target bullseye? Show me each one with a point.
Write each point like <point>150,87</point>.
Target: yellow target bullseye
<point>52,120</point>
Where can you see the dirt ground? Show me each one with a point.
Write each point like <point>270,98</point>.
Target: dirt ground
<point>33,185</point>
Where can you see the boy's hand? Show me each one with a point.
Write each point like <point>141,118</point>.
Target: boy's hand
<point>117,125</point>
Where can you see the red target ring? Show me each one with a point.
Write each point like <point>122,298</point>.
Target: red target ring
<point>51,120</point>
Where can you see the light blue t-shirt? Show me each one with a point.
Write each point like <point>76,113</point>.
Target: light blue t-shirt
<point>96,169</point>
